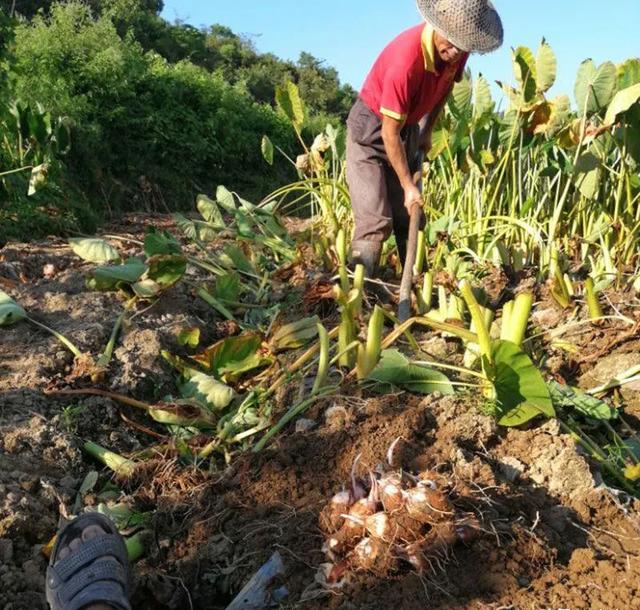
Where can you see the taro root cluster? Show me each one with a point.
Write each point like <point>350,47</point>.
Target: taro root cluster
<point>395,521</point>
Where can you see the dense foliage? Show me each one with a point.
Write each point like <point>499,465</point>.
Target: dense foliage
<point>157,111</point>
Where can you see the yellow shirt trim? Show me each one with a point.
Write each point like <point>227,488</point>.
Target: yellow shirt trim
<point>428,49</point>
<point>393,115</point>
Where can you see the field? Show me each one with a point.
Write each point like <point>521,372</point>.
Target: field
<point>213,381</point>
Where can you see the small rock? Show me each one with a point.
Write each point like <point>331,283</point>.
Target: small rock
<point>304,425</point>
<point>511,468</point>
<point>6,550</point>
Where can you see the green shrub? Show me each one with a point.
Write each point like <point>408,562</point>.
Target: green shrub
<point>139,120</point>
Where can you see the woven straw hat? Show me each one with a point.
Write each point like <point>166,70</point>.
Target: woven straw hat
<point>471,25</point>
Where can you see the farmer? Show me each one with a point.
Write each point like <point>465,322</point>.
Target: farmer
<point>390,124</point>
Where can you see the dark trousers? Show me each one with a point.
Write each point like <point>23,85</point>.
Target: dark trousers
<point>377,198</point>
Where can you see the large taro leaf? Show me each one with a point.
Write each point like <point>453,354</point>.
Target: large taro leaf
<point>94,250</point>
<point>483,102</point>
<point>395,369</point>
<point>546,67</point>
<point>166,269</point>
<point>10,311</point>
<point>209,391</point>
<point>111,276</point>
<point>524,67</point>
<point>160,242</point>
<point>232,357</point>
<point>570,398</point>
<point>594,86</point>
<point>621,102</point>
<point>520,391</point>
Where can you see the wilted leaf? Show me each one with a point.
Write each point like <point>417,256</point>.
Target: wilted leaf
<point>572,398</point>
<point>295,334</point>
<point>521,392</point>
<point>189,336</point>
<point>209,211</point>
<point>94,250</point>
<point>234,257</point>
<point>225,198</point>
<point>209,390</point>
<point>166,269</point>
<point>108,277</point>
<point>230,358</point>
<point>10,311</point>
<point>395,369</point>
<point>182,413</point>
<point>146,289</point>
<point>156,242</point>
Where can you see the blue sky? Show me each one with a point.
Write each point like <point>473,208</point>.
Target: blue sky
<point>349,34</point>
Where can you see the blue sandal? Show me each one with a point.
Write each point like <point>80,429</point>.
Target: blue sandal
<point>87,577</point>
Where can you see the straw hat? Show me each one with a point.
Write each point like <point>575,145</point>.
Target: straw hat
<point>471,25</point>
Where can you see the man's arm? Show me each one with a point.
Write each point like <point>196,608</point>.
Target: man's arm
<point>398,158</point>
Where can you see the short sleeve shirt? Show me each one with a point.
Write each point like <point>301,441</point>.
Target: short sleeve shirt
<point>404,83</point>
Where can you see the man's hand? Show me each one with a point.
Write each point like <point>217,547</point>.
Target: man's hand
<point>412,197</point>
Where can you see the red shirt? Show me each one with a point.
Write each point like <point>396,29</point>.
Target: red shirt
<point>403,82</point>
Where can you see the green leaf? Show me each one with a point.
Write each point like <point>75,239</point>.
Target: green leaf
<point>482,97</point>
<point>394,369</point>
<point>234,257</point>
<point>460,99</point>
<point>108,277</point>
<point>208,390</point>
<point>594,86</point>
<point>564,396</point>
<point>521,392</point>
<point>289,101</point>
<point>629,73</point>
<point>160,242</point>
<point>166,269</point>
<point>524,66</point>
<point>10,311</point>
<point>267,150</point>
<point>622,101</point>
<point>225,198</point>
<point>38,178</point>
<point>210,212</point>
<point>230,358</point>
<point>587,173</point>
<point>228,287</point>
<point>546,67</point>
<point>93,250</point>
<point>189,336</point>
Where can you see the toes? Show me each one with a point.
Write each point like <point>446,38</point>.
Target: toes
<point>92,531</point>
<point>75,544</point>
<point>64,553</point>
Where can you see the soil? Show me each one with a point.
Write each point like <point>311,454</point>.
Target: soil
<point>555,534</point>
